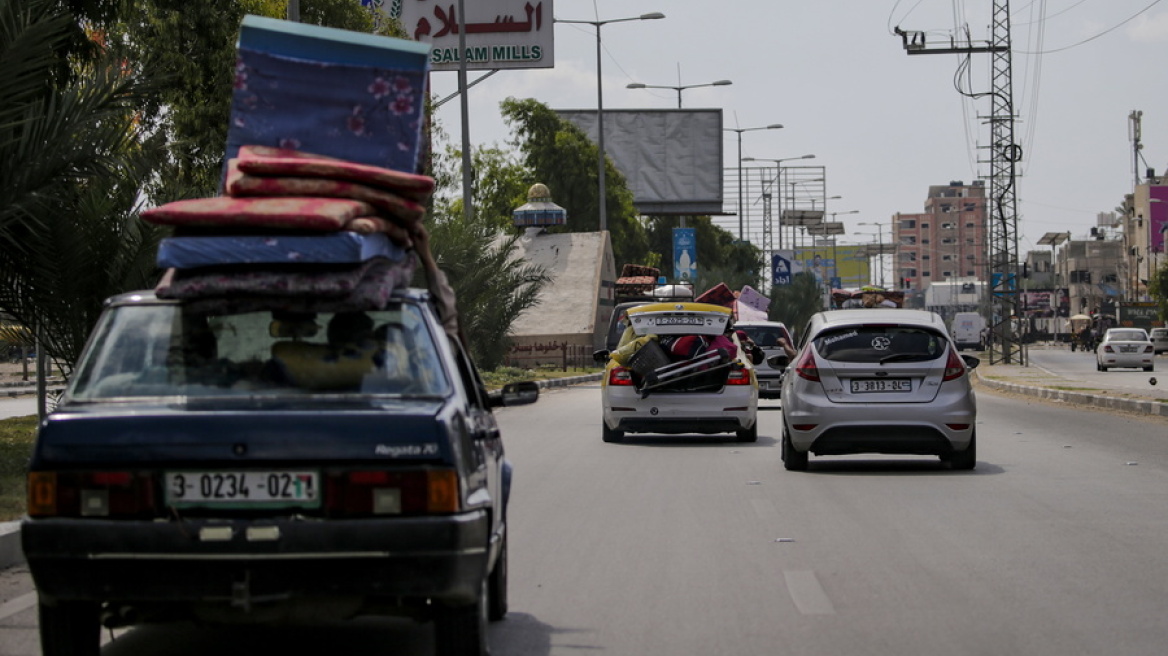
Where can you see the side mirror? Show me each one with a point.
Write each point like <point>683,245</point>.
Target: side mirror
<point>970,361</point>
<point>780,360</point>
<point>522,393</point>
<point>601,356</point>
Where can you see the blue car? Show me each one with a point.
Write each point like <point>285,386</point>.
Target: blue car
<point>250,461</point>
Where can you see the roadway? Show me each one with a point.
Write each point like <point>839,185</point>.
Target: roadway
<point>699,545</point>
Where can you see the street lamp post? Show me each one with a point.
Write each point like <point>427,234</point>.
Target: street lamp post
<point>773,126</point>
<point>880,241</point>
<point>778,180</point>
<point>678,88</point>
<point>603,209</point>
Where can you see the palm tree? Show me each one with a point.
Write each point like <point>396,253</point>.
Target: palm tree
<point>72,169</point>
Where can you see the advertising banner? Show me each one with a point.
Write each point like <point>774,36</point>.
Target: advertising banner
<point>685,254</point>
<point>844,267</point>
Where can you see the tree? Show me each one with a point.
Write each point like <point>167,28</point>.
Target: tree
<point>491,286</point>
<point>794,304</point>
<point>192,47</point>
<point>1158,289</point>
<point>561,156</point>
<point>71,177</point>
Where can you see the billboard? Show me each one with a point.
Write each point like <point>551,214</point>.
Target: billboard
<point>847,263</point>
<point>500,34</point>
<point>671,158</point>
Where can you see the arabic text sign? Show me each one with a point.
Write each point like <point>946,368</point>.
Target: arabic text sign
<point>499,33</point>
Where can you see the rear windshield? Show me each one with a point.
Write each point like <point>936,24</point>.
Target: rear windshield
<point>1127,336</point>
<point>879,344</point>
<point>765,336</point>
<point>169,350</point>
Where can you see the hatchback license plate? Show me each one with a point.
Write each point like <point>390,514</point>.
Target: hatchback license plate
<point>243,488</point>
<point>868,385</point>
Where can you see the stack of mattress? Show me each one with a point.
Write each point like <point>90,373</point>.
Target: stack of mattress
<point>293,224</point>
<point>318,198</point>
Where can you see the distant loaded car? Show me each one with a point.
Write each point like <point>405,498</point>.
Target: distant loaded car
<point>1159,337</point>
<point>879,381</point>
<point>242,462</point>
<point>767,334</point>
<point>678,369</point>
<point>1125,347</point>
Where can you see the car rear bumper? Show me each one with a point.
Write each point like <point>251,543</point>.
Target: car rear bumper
<point>823,427</point>
<point>735,408</point>
<point>234,561</point>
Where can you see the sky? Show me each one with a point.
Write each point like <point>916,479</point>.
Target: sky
<point>883,124</point>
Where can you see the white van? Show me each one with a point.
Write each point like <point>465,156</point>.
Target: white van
<point>969,330</point>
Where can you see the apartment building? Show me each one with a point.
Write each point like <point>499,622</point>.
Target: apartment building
<point>946,241</point>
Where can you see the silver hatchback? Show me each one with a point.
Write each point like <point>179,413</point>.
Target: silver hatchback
<point>879,381</point>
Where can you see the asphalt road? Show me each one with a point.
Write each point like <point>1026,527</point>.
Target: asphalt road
<point>699,545</point>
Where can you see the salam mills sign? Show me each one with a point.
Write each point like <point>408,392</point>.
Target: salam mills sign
<point>500,34</point>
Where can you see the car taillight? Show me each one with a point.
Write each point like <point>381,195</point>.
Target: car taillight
<point>380,492</point>
<point>90,494</point>
<point>738,376</point>
<point>954,367</point>
<point>1107,348</point>
<point>620,376</point>
<point>806,367</point>
<point>1148,349</point>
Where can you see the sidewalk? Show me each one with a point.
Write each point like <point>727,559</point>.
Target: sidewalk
<point>1035,381</point>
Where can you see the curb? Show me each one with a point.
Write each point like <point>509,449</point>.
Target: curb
<point>11,553</point>
<point>1138,406</point>
<point>571,380</point>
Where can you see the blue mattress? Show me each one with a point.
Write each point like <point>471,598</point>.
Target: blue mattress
<point>330,248</point>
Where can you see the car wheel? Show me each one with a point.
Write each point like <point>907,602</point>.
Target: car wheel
<point>610,434</point>
<point>793,459</point>
<point>462,630</point>
<point>967,459</point>
<point>69,628</point>
<point>748,434</point>
<point>1150,367</point>
<point>497,587</point>
<point>1102,368</point>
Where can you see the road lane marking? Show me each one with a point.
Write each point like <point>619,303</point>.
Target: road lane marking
<point>807,593</point>
<point>17,605</point>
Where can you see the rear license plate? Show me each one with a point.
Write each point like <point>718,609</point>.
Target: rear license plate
<point>680,321</point>
<point>243,488</point>
<point>1127,349</point>
<point>868,385</point>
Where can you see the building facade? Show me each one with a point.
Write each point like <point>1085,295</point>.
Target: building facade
<point>944,243</point>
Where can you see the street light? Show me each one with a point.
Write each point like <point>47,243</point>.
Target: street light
<point>880,240</point>
<point>773,126</point>
<point>778,177</point>
<point>678,88</point>
<point>600,102</point>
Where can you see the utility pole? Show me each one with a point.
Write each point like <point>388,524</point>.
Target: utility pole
<point>1005,154</point>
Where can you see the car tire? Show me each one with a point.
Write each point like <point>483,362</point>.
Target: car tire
<point>462,630</point>
<point>1151,367</point>
<point>793,459</point>
<point>1102,368</point>
<point>70,628</point>
<point>967,459</point>
<point>747,434</point>
<point>611,434</point>
<point>497,586</point>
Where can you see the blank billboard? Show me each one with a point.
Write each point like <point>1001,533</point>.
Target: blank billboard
<point>672,158</point>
